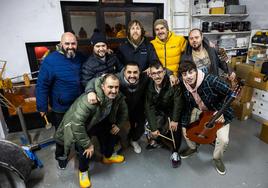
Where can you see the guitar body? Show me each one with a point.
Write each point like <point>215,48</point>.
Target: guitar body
<point>199,133</point>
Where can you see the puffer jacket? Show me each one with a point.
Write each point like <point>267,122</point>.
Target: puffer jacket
<point>82,116</point>
<point>144,54</point>
<point>169,101</point>
<point>169,52</point>
<point>58,82</point>
<point>95,67</point>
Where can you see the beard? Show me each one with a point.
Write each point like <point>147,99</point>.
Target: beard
<point>69,52</point>
<point>196,47</point>
<point>100,55</point>
<point>137,41</point>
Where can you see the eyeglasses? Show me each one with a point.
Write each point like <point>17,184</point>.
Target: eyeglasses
<point>158,73</point>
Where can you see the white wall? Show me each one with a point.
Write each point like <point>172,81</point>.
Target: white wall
<point>24,21</point>
<point>258,13</point>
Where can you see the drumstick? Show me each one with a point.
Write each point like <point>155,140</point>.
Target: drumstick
<point>172,136</point>
<point>160,135</point>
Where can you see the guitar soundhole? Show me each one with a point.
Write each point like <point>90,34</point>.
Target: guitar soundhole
<point>208,126</point>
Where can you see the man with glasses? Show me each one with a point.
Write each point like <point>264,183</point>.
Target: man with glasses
<point>163,106</point>
<point>59,79</point>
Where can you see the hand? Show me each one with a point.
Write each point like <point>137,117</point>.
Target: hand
<point>42,114</point>
<point>114,129</point>
<point>147,71</point>
<point>220,119</point>
<point>89,151</point>
<point>155,133</point>
<point>110,51</point>
<point>173,126</point>
<point>173,80</point>
<point>232,76</point>
<point>92,98</point>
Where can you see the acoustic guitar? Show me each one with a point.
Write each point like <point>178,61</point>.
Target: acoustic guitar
<point>204,130</point>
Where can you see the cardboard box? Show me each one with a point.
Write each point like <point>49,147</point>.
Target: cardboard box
<point>236,9</point>
<point>237,60</point>
<point>258,65</point>
<point>255,80</point>
<point>242,110</point>
<point>264,133</point>
<point>243,70</point>
<point>217,10</point>
<point>245,94</point>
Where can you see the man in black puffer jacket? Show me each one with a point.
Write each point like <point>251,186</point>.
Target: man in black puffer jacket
<point>99,63</point>
<point>137,47</point>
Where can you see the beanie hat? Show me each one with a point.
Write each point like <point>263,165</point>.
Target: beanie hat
<point>162,22</point>
<point>97,37</point>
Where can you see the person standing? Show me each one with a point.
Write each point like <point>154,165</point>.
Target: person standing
<point>168,46</point>
<point>204,56</point>
<point>58,83</point>
<point>137,47</point>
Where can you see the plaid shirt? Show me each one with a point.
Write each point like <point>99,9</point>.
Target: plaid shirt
<point>213,92</point>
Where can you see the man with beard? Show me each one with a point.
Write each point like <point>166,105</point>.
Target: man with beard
<point>59,79</point>
<point>100,62</point>
<point>137,48</point>
<point>133,85</point>
<point>168,46</point>
<point>84,120</point>
<point>207,93</point>
<point>163,106</point>
<point>204,56</point>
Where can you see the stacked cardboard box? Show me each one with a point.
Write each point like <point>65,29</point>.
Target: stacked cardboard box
<point>242,104</point>
<point>264,132</point>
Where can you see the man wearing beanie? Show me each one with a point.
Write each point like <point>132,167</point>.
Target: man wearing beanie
<point>99,63</point>
<point>168,46</point>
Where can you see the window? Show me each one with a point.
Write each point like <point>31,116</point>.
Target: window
<point>109,16</point>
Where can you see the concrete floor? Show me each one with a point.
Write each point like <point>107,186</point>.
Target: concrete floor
<point>246,161</point>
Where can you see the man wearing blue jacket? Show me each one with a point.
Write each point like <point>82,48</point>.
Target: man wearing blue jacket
<point>58,83</point>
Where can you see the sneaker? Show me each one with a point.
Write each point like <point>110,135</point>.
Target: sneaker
<point>188,153</point>
<point>84,179</point>
<point>219,166</point>
<point>62,164</point>
<point>136,146</point>
<point>175,160</point>
<point>153,145</point>
<point>113,159</point>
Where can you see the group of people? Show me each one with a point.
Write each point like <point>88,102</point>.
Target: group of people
<point>154,85</point>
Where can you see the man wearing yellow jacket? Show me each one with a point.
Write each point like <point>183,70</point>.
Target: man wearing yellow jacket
<point>168,46</point>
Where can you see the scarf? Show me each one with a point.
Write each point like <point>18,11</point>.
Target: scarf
<point>193,91</point>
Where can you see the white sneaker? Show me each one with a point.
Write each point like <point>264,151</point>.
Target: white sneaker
<point>136,146</point>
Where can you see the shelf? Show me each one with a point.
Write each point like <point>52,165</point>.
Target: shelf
<point>227,33</point>
<point>260,44</point>
<point>219,15</point>
<point>242,48</point>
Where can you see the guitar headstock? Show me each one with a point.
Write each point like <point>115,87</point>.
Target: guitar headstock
<point>223,55</point>
<point>238,88</point>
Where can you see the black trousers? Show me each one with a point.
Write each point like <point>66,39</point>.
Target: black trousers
<point>106,139</point>
<point>164,129</point>
<point>56,118</point>
<point>137,121</point>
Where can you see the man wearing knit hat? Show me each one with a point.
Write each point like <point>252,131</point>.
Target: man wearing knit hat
<point>100,62</point>
<point>168,46</point>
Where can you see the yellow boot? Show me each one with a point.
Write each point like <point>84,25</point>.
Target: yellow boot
<point>84,179</point>
<point>113,159</point>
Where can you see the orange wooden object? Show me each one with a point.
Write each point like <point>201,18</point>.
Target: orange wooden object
<point>199,133</point>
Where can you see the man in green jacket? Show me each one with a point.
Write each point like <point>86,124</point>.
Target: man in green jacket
<point>163,106</point>
<point>84,120</point>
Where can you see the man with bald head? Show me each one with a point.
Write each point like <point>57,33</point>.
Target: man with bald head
<point>58,83</point>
